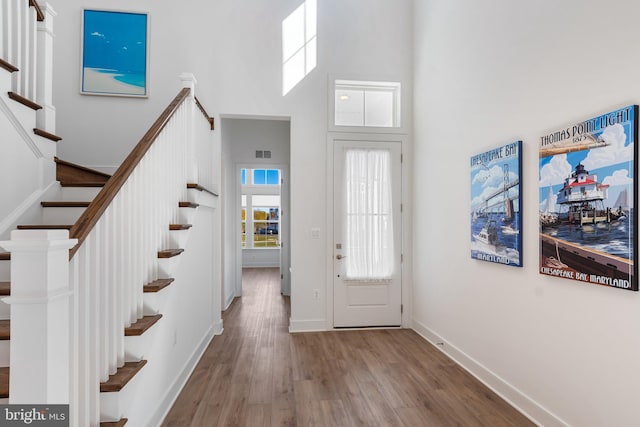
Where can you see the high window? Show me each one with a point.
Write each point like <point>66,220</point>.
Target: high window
<point>260,214</point>
<point>367,104</point>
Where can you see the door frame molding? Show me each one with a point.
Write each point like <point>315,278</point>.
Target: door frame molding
<point>405,219</point>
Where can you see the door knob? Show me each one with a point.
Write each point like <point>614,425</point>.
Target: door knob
<point>340,256</point>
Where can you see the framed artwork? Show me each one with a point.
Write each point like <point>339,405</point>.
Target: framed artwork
<point>496,205</point>
<point>114,53</point>
<point>587,189</point>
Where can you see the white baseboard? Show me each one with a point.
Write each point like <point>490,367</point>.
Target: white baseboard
<point>520,401</point>
<point>218,328</point>
<point>317,325</point>
<point>228,302</point>
<point>174,391</point>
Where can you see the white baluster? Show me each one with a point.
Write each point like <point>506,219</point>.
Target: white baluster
<point>45,117</point>
<point>4,23</point>
<point>15,47</point>
<point>31,50</point>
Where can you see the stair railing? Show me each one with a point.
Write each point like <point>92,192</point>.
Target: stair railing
<point>114,252</point>
<point>26,46</point>
<point>120,235</point>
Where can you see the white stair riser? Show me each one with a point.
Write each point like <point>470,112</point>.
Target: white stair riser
<point>115,405</point>
<point>4,353</point>
<point>167,266</point>
<point>5,271</point>
<point>139,347</point>
<point>179,238</point>
<point>5,310</point>
<point>187,215</point>
<point>57,215</point>
<point>79,194</point>
<point>155,302</point>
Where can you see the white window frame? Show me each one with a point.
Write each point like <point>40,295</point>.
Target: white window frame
<point>360,82</point>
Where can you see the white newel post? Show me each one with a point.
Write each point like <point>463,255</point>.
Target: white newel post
<point>46,117</point>
<point>40,330</point>
<point>189,81</point>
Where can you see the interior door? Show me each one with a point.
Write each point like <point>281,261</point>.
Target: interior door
<point>285,240</point>
<point>367,234</point>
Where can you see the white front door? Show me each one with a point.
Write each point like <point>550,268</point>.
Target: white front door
<point>367,234</point>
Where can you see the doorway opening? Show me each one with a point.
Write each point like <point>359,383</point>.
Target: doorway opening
<point>255,153</point>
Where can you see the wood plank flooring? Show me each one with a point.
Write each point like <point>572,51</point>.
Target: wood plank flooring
<point>257,374</point>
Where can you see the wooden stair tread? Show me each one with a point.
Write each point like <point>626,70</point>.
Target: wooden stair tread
<point>169,253</point>
<point>5,330</point>
<point>157,285</point>
<point>45,227</point>
<point>8,66</point>
<point>119,423</point>
<point>45,134</point>
<point>175,227</point>
<point>5,288</point>
<point>188,205</point>
<point>24,101</point>
<point>4,383</point>
<point>64,204</point>
<point>69,172</point>
<point>124,374</point>
<point>5,256</point>
<point>141,326</point>
<point>82,184</point>
<point>199,187</point>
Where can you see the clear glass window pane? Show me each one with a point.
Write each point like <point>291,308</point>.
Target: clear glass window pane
<point>259,177</point>
<point>266,200</point>
<point>349,107</point>
<point>273,177</point>
<point>265,235</point>
<point>378,108</point>
<point>243,176</point>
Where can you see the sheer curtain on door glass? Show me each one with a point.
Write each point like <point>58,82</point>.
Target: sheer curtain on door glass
<point>368,222</point>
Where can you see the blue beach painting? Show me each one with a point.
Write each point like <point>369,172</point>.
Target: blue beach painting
<point>114,57</point>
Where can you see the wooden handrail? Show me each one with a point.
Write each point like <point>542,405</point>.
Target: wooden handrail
<point>92,214</point>
<point>206,115</point>
<point>34,4</point>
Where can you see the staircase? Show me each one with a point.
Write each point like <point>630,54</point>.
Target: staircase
<point>78,187</point>
<point>123,319</point>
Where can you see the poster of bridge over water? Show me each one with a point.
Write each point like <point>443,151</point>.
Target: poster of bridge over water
<point>587,192</point>
<point>496,214</point>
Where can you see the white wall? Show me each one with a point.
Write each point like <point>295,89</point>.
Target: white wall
<point>489,73</point>
<point>234,49</point>
<point>100,131</point>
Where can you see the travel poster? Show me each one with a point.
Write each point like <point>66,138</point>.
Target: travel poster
<point>496,215</point>
<point>114,53</point>
<point>588,175</point>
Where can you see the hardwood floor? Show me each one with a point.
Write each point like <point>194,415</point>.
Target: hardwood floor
<point>257,374</point>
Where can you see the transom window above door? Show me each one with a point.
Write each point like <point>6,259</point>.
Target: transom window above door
<point>367,104</point>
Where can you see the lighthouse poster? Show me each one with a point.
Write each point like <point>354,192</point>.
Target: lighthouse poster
<point>587,211</point>
<point>496,214</point>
